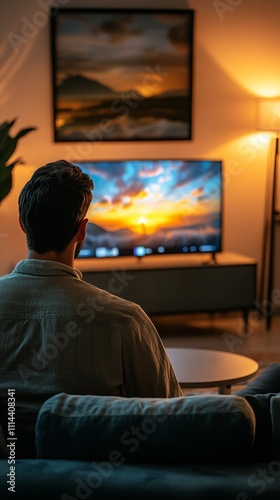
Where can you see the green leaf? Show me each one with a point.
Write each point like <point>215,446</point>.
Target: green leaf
<point>23,132</point>
<point>6,126</point>
<point>9,149</point>
<point>5,181</point>
<point>8,145</point>
<point>4,132</point>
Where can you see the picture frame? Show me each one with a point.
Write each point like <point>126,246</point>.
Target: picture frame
<point>122,74</point>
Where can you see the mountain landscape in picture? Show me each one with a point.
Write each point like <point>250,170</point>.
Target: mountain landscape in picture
<point>122,75</point>
<point>83,103</point>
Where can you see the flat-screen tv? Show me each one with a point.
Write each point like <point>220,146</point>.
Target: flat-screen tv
<point>153,207</point>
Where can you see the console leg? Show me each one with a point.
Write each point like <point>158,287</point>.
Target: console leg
<point>225,389</point>
<point>246,320</point>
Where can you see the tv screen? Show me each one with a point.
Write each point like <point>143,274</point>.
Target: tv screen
<point>153,207</point>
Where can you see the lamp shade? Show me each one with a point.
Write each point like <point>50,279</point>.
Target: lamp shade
<point>268,115</point>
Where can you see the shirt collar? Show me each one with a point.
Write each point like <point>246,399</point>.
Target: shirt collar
<point>38,267</point>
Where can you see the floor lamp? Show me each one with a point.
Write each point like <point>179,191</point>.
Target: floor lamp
<point>268,119</point>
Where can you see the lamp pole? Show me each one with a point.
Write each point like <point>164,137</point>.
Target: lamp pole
<point>274,213</point>
<point>268,119</point>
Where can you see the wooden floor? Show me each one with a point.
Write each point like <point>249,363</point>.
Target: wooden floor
<point>224,332</point>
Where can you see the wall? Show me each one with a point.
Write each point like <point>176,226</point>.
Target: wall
<point>235,56</point>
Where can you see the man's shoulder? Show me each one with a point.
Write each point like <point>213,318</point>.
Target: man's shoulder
<point>106,298</point>
<point>93,303</point>
<point>6,277</point>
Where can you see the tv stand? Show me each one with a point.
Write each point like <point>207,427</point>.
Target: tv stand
<point>212,260</point>
<point>182,284</point>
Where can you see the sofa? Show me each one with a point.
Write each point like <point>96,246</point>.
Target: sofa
<point>200,447</point>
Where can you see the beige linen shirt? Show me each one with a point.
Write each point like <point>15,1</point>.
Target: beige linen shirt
<point>61,334</point>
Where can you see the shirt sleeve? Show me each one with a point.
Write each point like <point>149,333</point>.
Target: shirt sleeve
<point>147,371</point>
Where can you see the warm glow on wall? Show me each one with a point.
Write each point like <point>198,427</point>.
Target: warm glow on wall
<point>268,91</point>
<point>268,115</point>
<point>243,41</point>
<point>253,78</point>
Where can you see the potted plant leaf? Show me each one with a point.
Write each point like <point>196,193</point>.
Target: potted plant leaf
<point>8,145</point>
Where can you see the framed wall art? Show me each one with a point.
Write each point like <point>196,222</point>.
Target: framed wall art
<point>122,75</point>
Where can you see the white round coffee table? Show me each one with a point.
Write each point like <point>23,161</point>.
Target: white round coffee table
<point>196,368</point>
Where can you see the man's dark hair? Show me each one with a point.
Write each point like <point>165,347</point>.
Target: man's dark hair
<point>52,204</point>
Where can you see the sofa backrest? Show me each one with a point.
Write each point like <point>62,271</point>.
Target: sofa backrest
<point>194,429</point>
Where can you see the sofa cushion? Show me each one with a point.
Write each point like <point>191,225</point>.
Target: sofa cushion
<point>275,421</point>
<point>263,443</point>
<point>195,429</point>
<point>3,445</point>
<point>86,480</point>
<point>267,382</point>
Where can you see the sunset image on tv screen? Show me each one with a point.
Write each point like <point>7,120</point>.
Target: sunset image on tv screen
<point>145,207</point>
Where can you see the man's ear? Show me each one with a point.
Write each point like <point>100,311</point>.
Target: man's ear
<point>21,225</point>
<point>81,233</point>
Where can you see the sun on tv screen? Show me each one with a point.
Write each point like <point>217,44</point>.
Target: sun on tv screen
<point>153,207</point>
